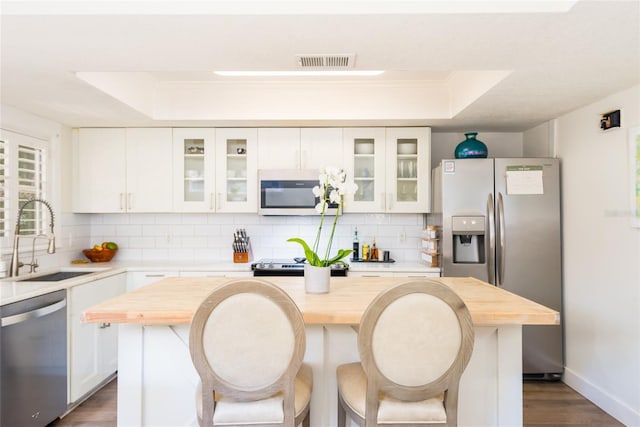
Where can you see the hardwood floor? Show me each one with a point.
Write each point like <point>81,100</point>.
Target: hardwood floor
<point>556,404</point>
<point>97,411</point>
<point>545,404</point>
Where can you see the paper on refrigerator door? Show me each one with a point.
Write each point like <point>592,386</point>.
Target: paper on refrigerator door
<point>524,179</point>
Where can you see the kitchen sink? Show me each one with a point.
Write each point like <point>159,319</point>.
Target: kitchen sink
<point>56,277</point>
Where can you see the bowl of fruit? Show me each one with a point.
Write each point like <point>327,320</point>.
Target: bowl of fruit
<point>101,253</point>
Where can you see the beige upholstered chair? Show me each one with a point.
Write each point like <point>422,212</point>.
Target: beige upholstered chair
<point>247,341</point>
<point>415,340</point>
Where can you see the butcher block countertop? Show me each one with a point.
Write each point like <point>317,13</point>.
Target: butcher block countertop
<point>174,300</point>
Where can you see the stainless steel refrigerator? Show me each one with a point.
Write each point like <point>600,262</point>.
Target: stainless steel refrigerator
<point>500,223</point>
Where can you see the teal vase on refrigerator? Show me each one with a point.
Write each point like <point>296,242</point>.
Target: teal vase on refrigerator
<point>471,148</point>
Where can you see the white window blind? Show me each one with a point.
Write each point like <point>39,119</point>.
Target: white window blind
<point>30,186</point>
<point>23,176</point>
<point>3,222</point>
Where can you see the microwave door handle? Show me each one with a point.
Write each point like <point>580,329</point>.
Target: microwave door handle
<point>492,240</point>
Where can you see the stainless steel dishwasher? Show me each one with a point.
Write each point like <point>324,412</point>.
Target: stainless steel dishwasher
<point>33,353</point>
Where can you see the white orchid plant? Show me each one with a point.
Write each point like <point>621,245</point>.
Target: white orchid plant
<point>332,188</point>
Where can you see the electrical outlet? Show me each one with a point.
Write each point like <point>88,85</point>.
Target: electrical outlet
<point>403,237</point>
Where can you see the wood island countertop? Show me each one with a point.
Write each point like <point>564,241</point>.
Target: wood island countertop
<point>174,300</point>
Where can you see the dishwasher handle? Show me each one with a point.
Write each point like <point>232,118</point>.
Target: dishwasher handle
<point>33,314</point>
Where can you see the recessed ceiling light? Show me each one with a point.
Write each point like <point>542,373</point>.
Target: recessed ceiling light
<point>321,73</point>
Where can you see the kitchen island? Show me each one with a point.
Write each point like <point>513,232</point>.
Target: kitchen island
<point>157,381</point>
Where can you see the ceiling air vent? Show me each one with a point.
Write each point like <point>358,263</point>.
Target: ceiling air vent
<point>326,62</point>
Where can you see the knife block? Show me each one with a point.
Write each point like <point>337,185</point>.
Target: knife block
<point>241,257</point>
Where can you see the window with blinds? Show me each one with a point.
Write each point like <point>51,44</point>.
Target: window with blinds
<point>30,186</point>
<point>23,162</point>
<point>3,222</point>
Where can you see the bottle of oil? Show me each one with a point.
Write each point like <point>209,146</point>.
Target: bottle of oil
<point>356,245</point>
<point>365,252</point>
<point>373,256</point>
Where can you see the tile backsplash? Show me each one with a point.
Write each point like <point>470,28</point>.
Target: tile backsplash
<point>208,237</point>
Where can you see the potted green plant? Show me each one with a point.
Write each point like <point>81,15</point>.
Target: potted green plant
<point>332,188</point>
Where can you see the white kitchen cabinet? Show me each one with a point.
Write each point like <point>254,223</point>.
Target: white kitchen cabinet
<point>391,272</point>
<point>138,279</point>
<point>230,274</point>
<point>370,274</point>
<point>304,148</point>
<point>122,170</point>
<point>194,169</point>
<point>279,148</point>
<point>149,170</point>
<point>93,354</point>
<point>416,274</point>
<point>99,170</point>
<point>408,175</point>
<point>321,147</point>
<point>364,163</point>
<point>391,168</point>
<point>236,170</point>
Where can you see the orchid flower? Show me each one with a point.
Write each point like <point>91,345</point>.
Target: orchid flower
<point>332,188</point>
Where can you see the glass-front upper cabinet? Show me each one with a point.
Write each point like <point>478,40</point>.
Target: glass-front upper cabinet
<point>236,170</point>
<point>364,160</point>
<point>408,169</point>
<point>194,156</point>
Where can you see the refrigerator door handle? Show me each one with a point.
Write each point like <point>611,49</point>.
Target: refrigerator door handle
<point>492,240</point>
<point>501,242</point>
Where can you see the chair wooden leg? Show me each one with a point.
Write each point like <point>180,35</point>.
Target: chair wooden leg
<point>342,414</point>
<point>306,422</point>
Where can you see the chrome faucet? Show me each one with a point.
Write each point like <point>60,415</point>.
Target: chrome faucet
<point>15,262</point>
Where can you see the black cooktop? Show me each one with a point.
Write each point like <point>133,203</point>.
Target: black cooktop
<point>288,267</point>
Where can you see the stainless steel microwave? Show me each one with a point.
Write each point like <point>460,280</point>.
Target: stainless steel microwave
<point>289,192</point>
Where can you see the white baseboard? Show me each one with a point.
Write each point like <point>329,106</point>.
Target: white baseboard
<point>607,402</point>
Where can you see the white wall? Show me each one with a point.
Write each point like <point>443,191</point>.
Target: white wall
<point>540,141</point>
<point>601,257</point>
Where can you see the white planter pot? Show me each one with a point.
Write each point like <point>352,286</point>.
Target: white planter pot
<point>316,279</point>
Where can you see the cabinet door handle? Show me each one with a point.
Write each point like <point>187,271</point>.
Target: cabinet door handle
<point>154,275</point>
<point>121,201</point>
<point>104,325</point>
<point>212,202</point>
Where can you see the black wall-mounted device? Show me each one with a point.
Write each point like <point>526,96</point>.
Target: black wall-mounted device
<point>610,120</point>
